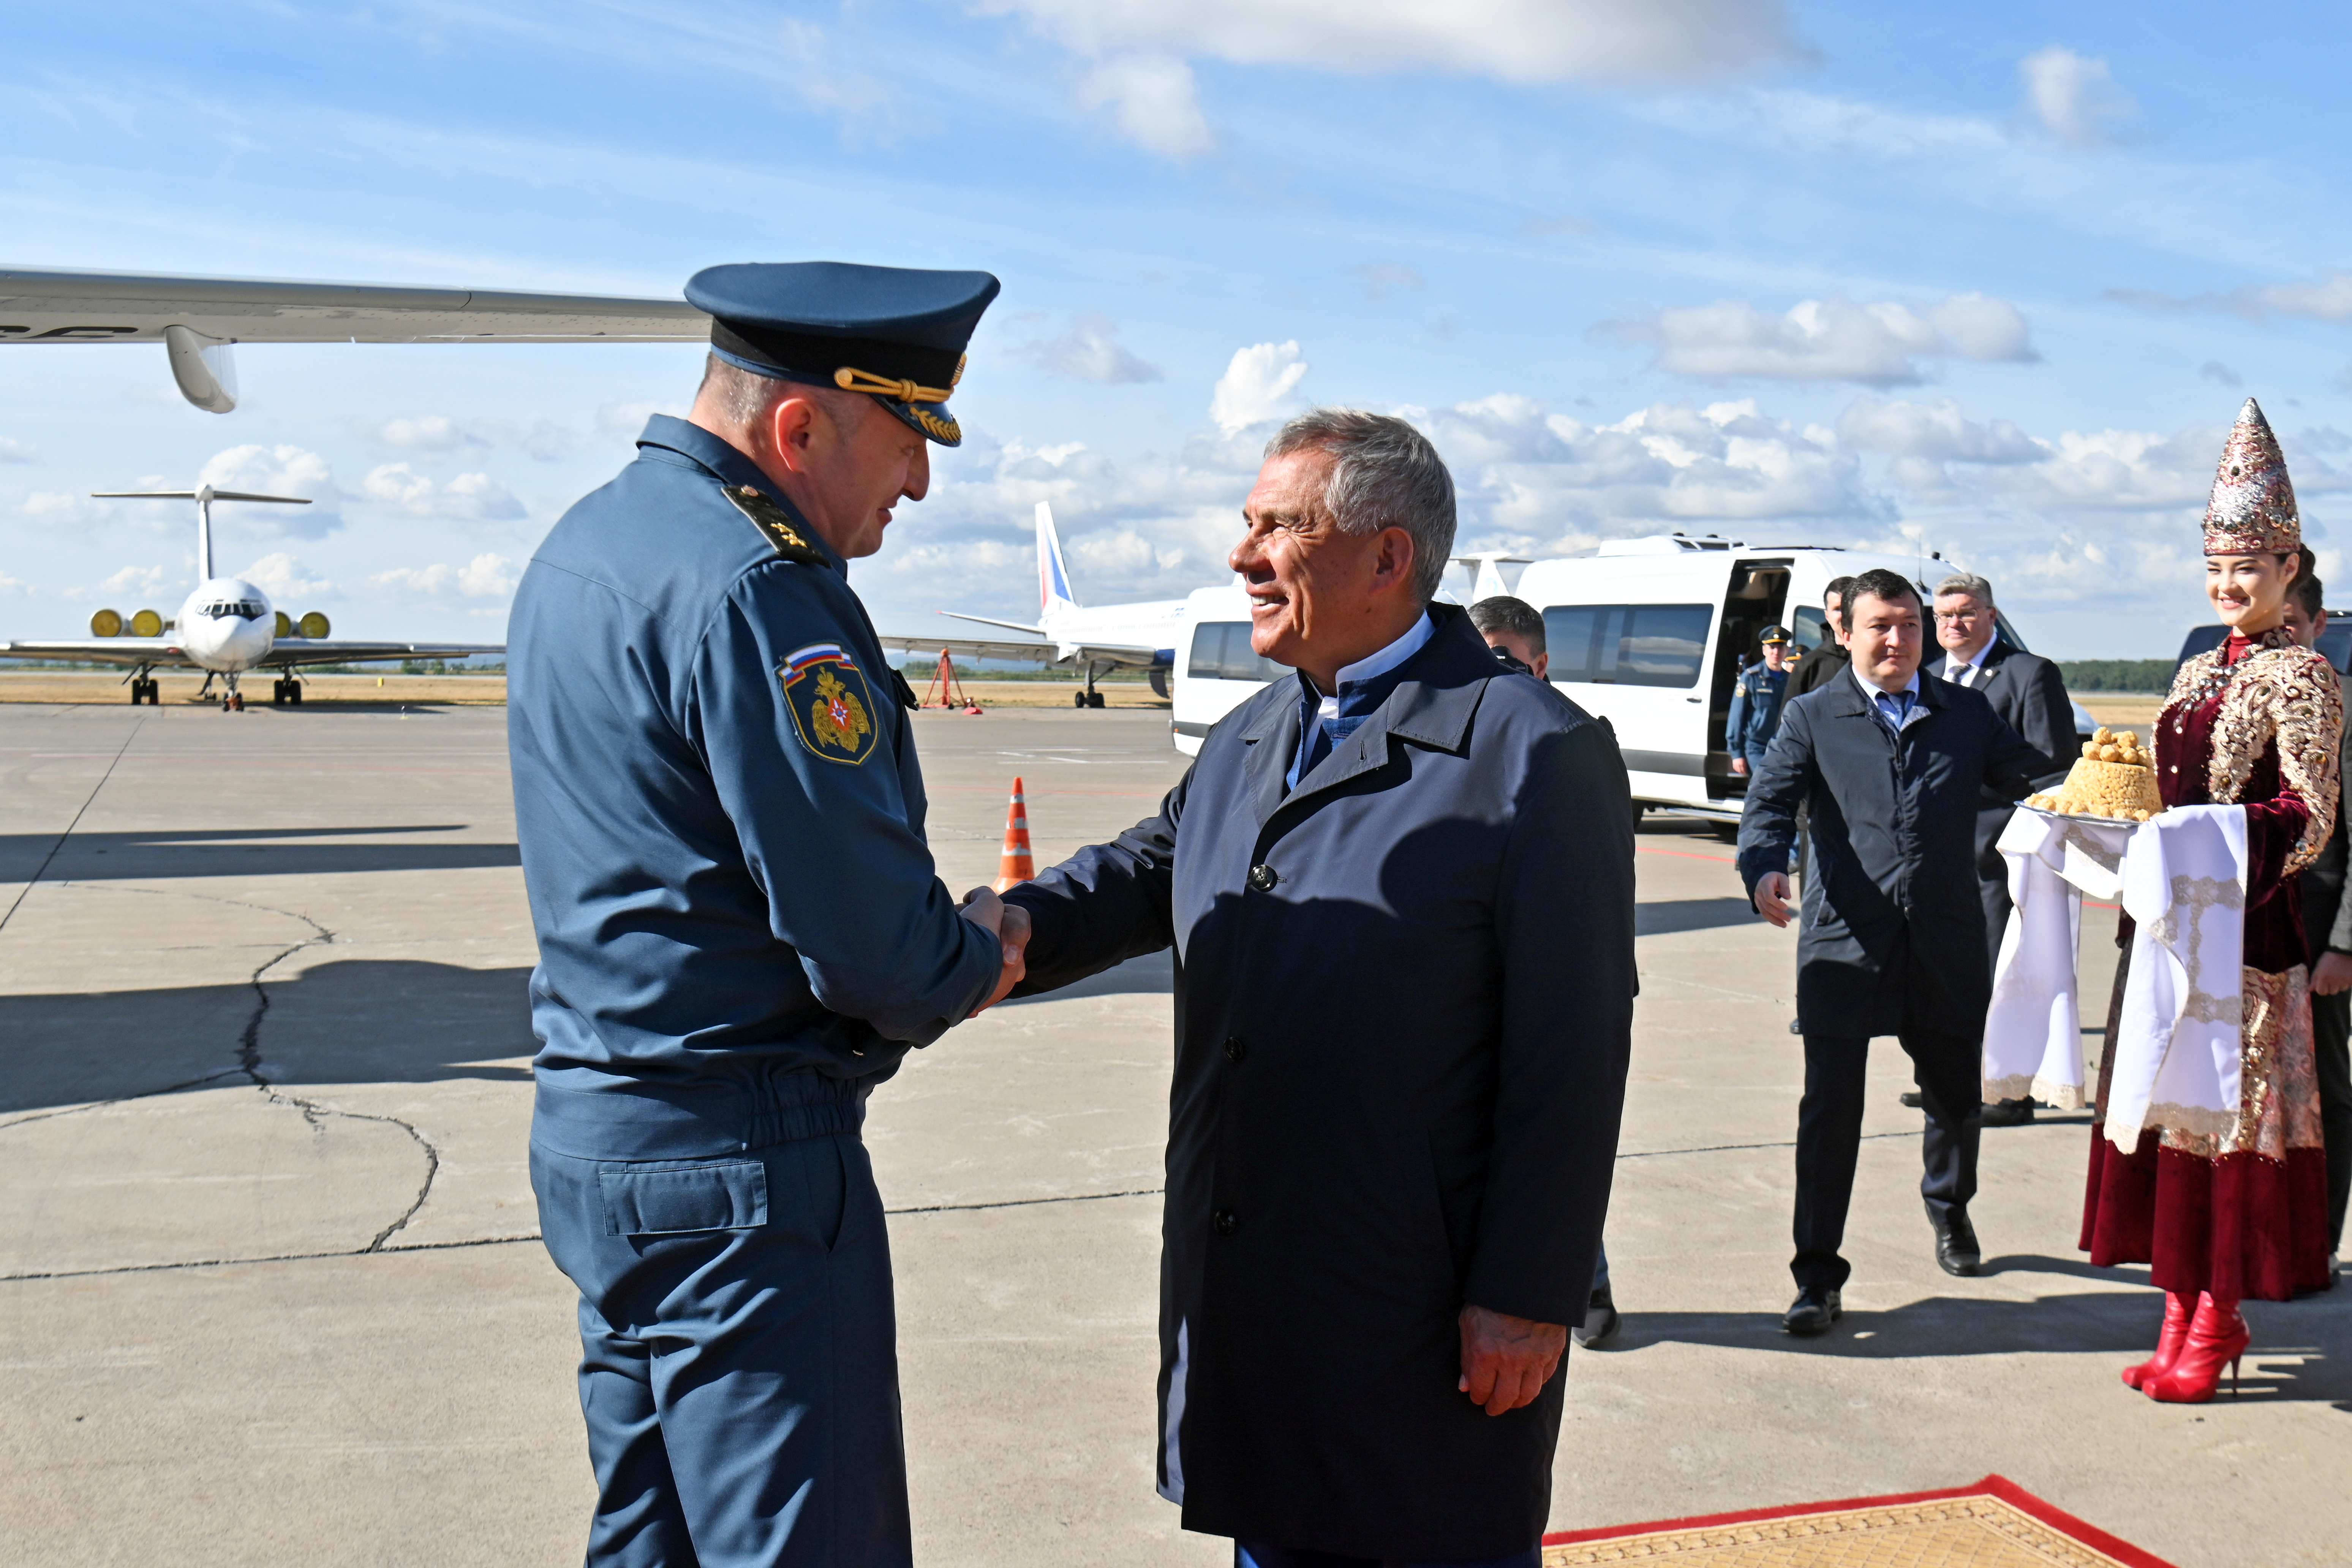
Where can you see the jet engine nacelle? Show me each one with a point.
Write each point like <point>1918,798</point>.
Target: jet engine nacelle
<point>106,624</point>
<point>147,624</point>
<point>314,624</point>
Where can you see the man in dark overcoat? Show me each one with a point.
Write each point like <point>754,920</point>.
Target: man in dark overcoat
<point>2030,694</point>
<point>1892,939</point>
<point>2328,926</point>
<point>1401,890</point>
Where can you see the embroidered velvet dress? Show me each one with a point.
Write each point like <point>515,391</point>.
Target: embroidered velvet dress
<point>2241,1214</point>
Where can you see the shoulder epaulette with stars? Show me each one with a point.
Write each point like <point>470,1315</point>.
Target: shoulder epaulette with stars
<point>775,524</point>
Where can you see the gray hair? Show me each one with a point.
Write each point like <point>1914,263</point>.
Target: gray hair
<point>745,398</point>
<point>1967,582</point>
<point>1512,617</point>
<point>1384,474</point>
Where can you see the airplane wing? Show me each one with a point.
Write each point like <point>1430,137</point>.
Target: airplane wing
<point>164,653</point>
<point>197,318</point>
<point>1030,652</point>
<point>57,306</point>
<point>343,650</point>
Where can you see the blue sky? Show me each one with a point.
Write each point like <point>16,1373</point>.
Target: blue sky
<point>1994,278</point>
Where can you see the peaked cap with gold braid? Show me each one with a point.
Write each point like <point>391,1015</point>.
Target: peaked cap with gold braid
<point>2251,511</point>
<point>894,334</point>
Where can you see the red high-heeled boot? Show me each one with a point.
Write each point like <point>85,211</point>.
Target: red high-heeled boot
<point>2217,1337</point>
<point>2179,1307</point>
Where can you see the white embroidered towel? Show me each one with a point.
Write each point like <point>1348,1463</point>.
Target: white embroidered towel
<point>2033,1037</point>
<point>2177,1049</point>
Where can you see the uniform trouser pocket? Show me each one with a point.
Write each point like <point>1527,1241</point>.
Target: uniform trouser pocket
<point>672,1197</point>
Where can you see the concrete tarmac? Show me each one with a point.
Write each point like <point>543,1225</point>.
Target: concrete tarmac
<point>270,1291</point>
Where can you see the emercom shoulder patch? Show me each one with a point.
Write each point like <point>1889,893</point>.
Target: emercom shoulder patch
<point>775,524</point>
<point>831,705</point>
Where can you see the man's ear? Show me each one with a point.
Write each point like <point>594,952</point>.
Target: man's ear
<point>1394,563</point>
<point>793,424</point>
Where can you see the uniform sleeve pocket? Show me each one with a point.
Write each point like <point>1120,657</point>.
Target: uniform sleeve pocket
<point>671,1199</point>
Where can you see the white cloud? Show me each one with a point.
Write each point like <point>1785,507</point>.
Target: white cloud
<point>1256,386</point>
<point>2072,98</point>
<point>1529,480</point>
<point>1089,350</point>
<point>1522,41</point>
<point>544,439</point>
<point>282,577</point>
<point>868,109</point>
<point>276,471</point>
<point>486,576</point>
<point>467,495</point>
<point>629,418</point>
<point>142,581</point>
<point>2326,298</point>
<point>17,452</point>
<point>1934,430</point>
<point>1834,339</point>
<point>1154,102</point>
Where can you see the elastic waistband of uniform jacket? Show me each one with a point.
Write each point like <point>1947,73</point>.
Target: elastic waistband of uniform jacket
<point>627,1119</point>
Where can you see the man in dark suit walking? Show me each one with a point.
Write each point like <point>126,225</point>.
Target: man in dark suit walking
<point>1893,938</point>
<point>2030,695</point>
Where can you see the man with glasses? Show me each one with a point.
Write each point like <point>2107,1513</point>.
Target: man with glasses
<point>2030,695</point>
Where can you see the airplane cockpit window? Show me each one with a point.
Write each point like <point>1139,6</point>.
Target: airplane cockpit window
<point>242,610</point>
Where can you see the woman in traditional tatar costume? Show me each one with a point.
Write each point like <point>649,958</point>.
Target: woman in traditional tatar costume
<point>2237,1207</point>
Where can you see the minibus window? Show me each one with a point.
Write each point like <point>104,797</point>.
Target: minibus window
<point>1628,645</point>
<point>1220,651</point>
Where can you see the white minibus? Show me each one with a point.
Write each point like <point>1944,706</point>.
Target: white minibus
<point>1648,633</point>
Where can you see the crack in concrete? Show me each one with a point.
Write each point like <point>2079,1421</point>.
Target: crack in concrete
<point>249,1065</point>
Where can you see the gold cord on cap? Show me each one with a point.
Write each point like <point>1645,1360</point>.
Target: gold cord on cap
<point>852,380</point>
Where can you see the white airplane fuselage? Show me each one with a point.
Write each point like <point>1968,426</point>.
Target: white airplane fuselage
<point>226,625</point>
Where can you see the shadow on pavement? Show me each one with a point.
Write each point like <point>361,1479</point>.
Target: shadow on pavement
<point>233,852</point>
<point>1669,915</point>
<point>2302,1350</point>
<point>350,1021</point>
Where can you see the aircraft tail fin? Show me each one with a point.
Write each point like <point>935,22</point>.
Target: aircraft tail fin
<point>1053,574</point>
<point>203,496</point>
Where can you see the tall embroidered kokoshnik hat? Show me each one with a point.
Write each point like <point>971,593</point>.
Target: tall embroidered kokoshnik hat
<point>2251,511</point>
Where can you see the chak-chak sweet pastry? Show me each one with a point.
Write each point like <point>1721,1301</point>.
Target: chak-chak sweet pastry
<point>2113,778</point>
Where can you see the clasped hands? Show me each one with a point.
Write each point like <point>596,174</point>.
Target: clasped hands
<point>1009,923</point>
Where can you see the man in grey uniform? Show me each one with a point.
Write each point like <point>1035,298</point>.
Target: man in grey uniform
<point>740,930</point>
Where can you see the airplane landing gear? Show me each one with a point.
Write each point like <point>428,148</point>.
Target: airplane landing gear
<point>147,690</point>
<point>235,702</point>
<point>287,692</point>
<point>1089,698</point>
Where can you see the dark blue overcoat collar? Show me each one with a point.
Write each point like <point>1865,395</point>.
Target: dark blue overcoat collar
<point>722,458</point>
<point>1432,706</point>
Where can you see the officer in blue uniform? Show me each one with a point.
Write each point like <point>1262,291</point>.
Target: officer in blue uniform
<point>1756,700</point>
<point>740,930</point>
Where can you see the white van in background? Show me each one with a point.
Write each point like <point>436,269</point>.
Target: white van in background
<point>1646,633</point>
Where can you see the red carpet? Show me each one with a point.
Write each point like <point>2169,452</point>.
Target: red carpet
<point>1993,1524</point>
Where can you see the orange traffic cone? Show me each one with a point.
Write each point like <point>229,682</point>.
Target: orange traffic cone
<point>1018,864</point>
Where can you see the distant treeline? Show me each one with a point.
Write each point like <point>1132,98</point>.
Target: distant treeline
<point>2149,676</point>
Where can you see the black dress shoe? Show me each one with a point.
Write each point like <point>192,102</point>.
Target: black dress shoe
<point>2009,1113</point>
<point>1815,1309</point>
<point>1911,1099</point>
<point>1600,1321</point>
<point>1956,1244</point>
